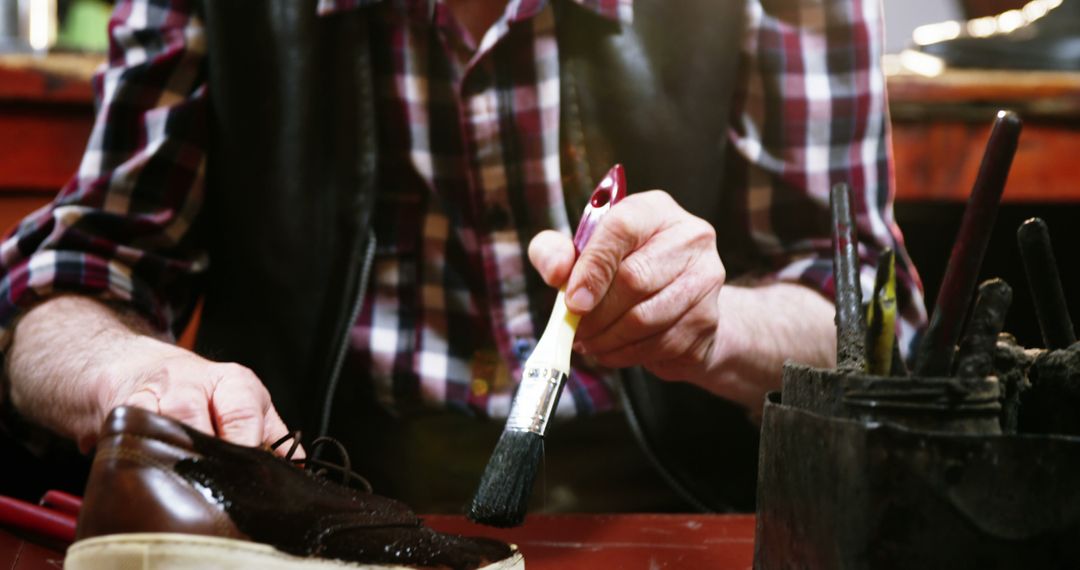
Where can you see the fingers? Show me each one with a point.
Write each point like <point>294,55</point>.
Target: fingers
<point>677,353</point>
<point>180,399</point>
<point>651,316</point>
<point>222,399</point>
<point>240,403</point>
<point>651,277</point>
<point>650,271</point>
<point>623,230</point>
<point>552,254</point>
<point>145,399</point>
<point>274,429</point>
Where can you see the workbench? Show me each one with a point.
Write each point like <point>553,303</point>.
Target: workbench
<point>550,542</point>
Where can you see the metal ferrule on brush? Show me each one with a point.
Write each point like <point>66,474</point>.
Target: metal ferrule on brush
<point>536,399</point>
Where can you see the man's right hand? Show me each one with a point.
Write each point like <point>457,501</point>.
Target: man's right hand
<point>74,359</point>
<point>223,399</point>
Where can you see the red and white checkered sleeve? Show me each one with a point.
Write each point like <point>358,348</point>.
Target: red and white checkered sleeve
<point>811,111</point>
<point>118,229</point>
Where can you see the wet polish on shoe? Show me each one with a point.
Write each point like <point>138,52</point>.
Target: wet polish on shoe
<point>245,505</point>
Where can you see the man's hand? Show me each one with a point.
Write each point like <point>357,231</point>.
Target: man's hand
<point>650,285</point>
<point>73,360</point>
<point>223,399</point>
<point>647,284</point>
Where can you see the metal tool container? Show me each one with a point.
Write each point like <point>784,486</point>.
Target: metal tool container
<point>879,473</point>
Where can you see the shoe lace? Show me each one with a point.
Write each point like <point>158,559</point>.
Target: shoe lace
<point>318,466</point>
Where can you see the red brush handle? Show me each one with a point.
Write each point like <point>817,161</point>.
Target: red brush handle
<point>38,520</point>
<point>61,501</point>
<point>610,191</point>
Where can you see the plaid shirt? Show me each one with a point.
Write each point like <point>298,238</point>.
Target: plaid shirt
<point>470,167</point>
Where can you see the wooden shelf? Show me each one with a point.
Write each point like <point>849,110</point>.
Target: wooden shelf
<point>941,124</point>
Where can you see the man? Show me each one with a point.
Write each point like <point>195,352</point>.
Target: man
<point>238,150</point>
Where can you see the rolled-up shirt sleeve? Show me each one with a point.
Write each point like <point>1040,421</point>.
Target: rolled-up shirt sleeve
<point>811,111</point>
<point>122,228</point>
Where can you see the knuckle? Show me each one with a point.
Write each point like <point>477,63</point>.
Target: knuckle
<point>656,197</point>
<point>231,371</point>
<point>703,231</point>
<point>719,274</point>
<point>672,344</point>
<point>242,415</point>
<point>635,274</point>
<point>183,409</point>
<point>636,318</point>
<point>619,225</point>
<point>703,318</point>
<point>600,266</point>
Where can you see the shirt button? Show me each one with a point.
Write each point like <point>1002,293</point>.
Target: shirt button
<point>497,218</point>
<point>480,387</point>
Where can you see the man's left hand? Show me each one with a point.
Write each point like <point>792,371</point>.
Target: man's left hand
<point>647,285</point>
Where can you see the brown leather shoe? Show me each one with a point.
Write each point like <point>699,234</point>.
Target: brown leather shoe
<point>162,495</point>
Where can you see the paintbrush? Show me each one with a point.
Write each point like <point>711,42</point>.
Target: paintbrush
<point>936,351</point>
<point>850,332</point>
<point>1045,284</point>
<point>506,484</point>
<point>881,317</point>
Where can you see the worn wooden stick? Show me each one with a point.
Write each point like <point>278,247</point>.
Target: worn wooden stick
<point>976,354</point>
<point>850,332</point>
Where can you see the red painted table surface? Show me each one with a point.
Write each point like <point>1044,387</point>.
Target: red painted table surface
<point>568,542</point>
<point>623,542</point>
<point>19,554</point>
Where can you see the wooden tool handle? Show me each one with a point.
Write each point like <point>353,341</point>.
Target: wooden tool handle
<point>555,345</point>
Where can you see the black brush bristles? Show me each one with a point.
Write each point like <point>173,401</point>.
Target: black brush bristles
<point>507,482</point>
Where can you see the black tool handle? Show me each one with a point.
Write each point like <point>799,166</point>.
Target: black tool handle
<point>935,354</point>
<point>1045,284</point>
<point>850,330</point>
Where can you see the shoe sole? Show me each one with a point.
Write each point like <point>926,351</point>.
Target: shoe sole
<point>173,551</point>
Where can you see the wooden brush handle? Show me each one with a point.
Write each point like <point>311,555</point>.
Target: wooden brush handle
<point>555,345</point>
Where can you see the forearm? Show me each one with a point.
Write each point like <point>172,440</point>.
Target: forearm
<point>761,327</point>
<point>74,359</point>
<point>56,365</point>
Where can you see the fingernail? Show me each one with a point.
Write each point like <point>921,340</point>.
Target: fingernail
<point>579,348</point>
<point>581,301</point>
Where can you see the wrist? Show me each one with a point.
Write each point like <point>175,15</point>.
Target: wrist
<point>67,356</point>
<point>124,358</point>
<point>736,346</point>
